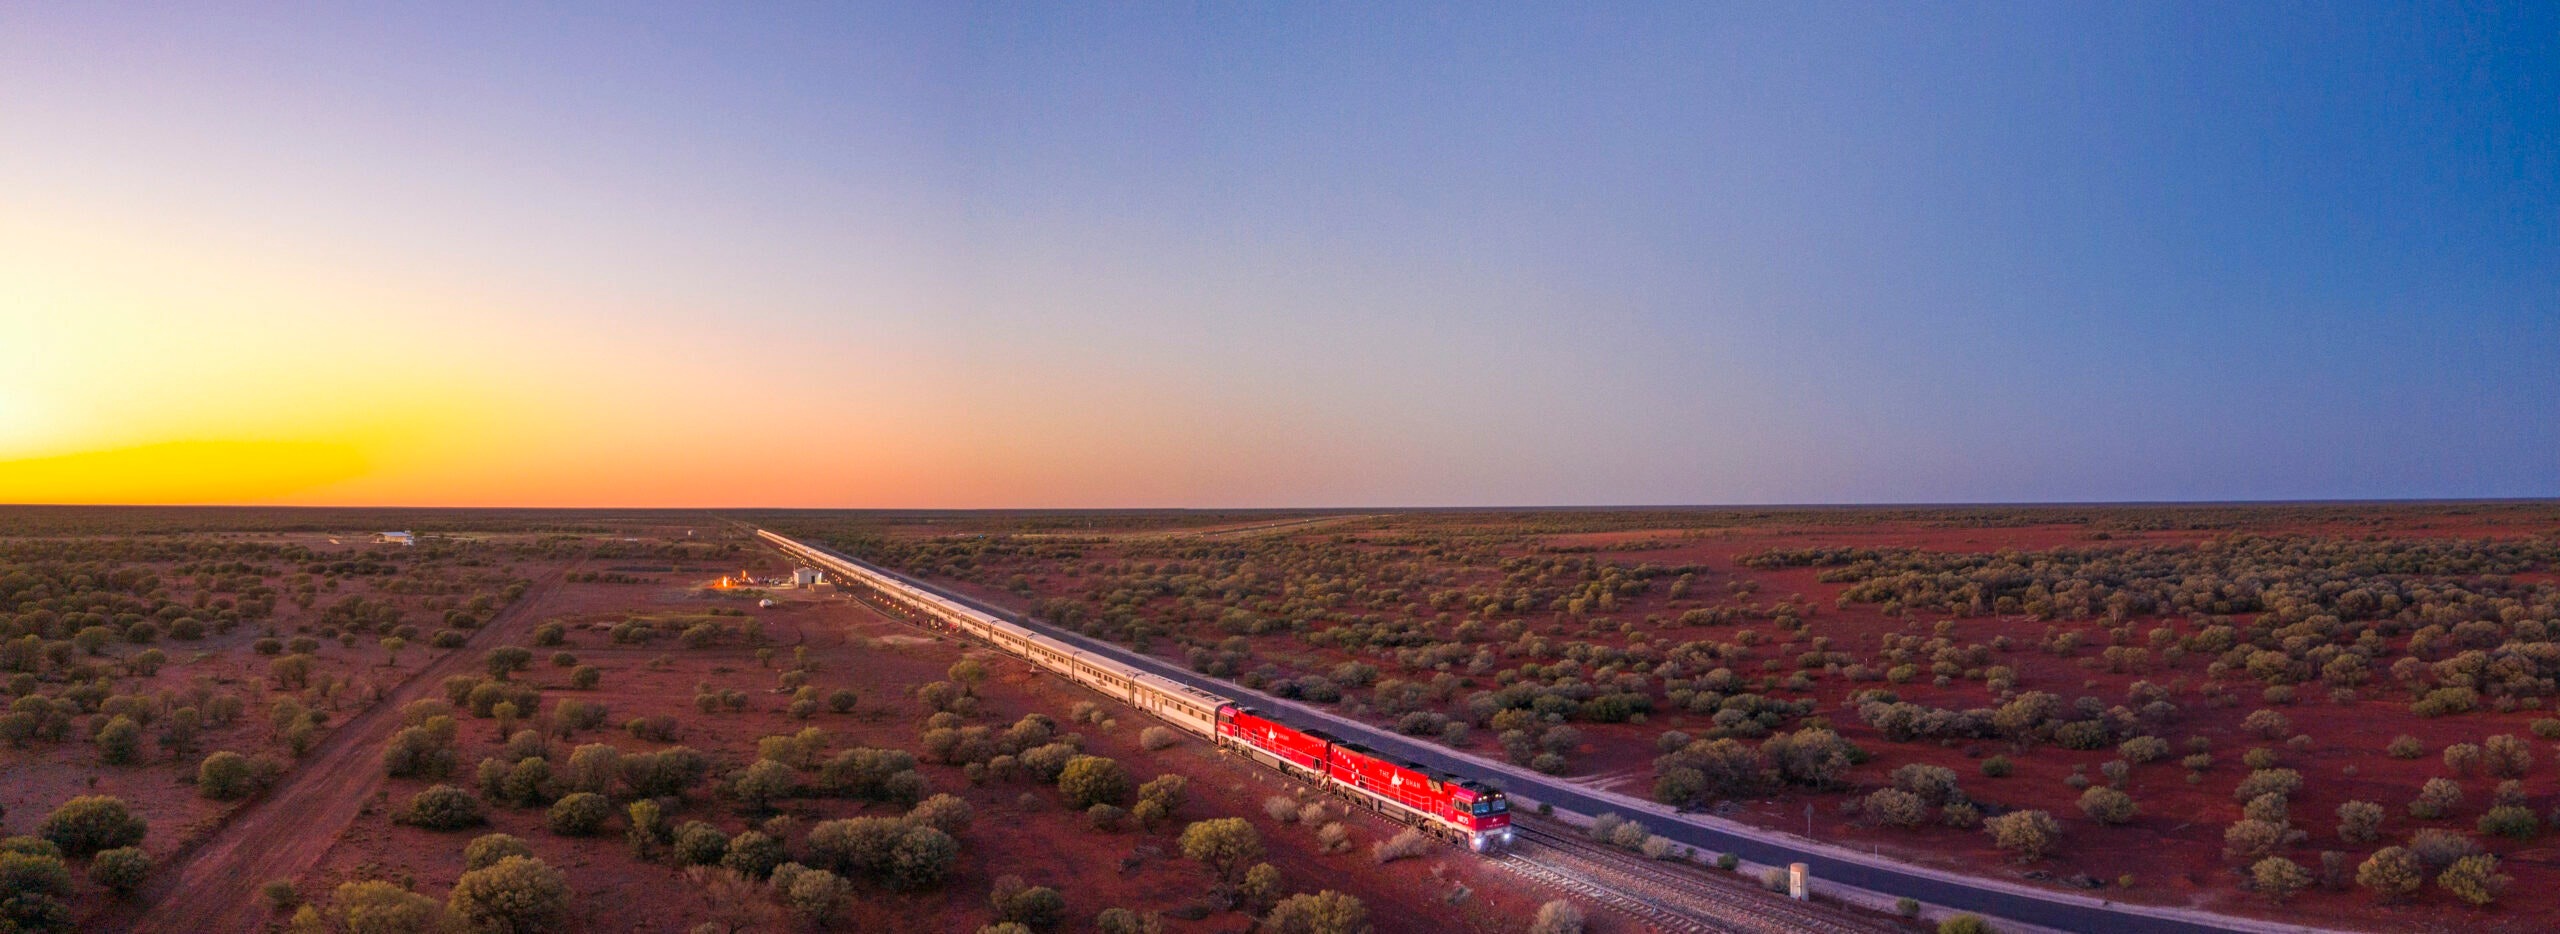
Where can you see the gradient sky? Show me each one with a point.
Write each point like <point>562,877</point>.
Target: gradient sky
<point>1244,254</point>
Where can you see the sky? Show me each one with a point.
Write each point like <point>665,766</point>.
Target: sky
<point>1246,254</point>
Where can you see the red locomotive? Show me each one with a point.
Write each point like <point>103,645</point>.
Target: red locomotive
<point>1441,804</point>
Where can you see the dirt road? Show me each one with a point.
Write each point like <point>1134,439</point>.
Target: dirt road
<point>213,885</point>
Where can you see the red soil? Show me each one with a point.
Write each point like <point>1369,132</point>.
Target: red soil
<point>2172,853</point>
<point>1020,829</point>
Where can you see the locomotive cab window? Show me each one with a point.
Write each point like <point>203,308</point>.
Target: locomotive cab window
<point>1488,806</point>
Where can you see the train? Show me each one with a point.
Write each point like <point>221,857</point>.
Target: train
<point>1459,809</point>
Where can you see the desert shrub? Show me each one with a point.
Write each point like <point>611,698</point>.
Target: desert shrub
<point>487,697</point>
<point>585,677</point>
<point>504,661</point>
<point>2405,746</point>
<point>571,715</point>
<point>1156,738</point>
<point>2510,821</point>
<point>1604,827</point>
<point>1281,808</point>
<point>1811,757</point>
<point>648,829</point>
<point>1090,780</point>
<point>1934,784</point>
<point>1333,837</point>
<point>814,895</point>
<point>753,855</point>
<point>424,751</point>
<point>922,858</point>
<point>1326,912</point>
<point>2439,848</point>
<point>1166,791</point>
<point>2391,873</point>
<point>120,870</point>
<point>1107,817</point>
<point>2508,793</point>
<point>1224,845</point>
<point>1031,906</point>
<point>120,741</point>
<point>2271,808</point>
<point>2268,781</point>
<point>2506,755</point>
<point>2279,878</point>
<point>487,849</point>
<point>2359,821</point>
<point>2249,840</point>
<point>700,844</point>
<point>227,776</point>
<point>2107,805</point>
<point>1405,844</point>
<point>2027,834</point>
<point>377,907</point>
<point>856,844</point>
<point>1996,767</point>
<point>32,889</point>
<point>443,807</point>
<point>30,846</point>
<point>1124,921</point>
<point>591,768</point>
<point>1044,762</point>
<point>1964,924</point>
<point>1710,768</point>
<point>1896,807</point>
<point>2461,758</point>
<point>2474,879</point>
<point>90,823</point>
<point>2435,798</point>
<point>516,895</point>
<point>946,813</point>
<point>664,773</point>
<point>864,772</point>
<point>1557,917</point>
<point>1260,889</point>
<point>579,814</point>
<point>762,783</point>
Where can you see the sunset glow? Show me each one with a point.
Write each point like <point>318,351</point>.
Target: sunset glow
<point>923,258</point>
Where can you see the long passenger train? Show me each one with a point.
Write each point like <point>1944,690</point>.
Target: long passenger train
<point>1445,805</point>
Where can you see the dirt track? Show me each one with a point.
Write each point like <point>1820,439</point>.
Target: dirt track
<point>213,885</point>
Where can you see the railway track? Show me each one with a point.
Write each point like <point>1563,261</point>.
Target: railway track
<point>1665,894</point>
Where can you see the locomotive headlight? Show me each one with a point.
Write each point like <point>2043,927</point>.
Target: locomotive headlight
<point>1506,835</point>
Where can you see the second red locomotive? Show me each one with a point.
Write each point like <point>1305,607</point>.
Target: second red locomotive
<point>1442,804</point>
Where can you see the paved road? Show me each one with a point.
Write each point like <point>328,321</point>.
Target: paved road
<point>2012,901</point>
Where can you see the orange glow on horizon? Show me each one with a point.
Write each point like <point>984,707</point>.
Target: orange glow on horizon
<point>182,472</point>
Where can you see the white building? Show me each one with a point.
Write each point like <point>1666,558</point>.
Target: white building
<point>806,577</point>
<point>396,538</point>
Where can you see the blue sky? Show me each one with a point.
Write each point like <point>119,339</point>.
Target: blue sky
<point>1352,254</point>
